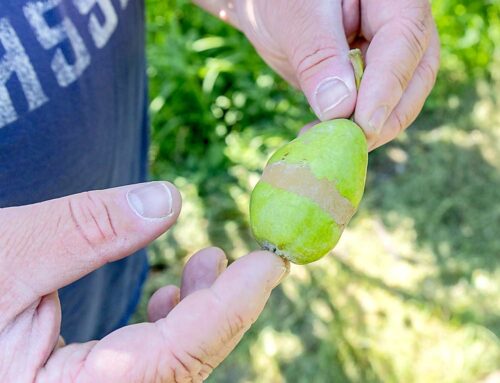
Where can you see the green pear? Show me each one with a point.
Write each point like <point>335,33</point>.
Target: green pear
<point>309,191</point>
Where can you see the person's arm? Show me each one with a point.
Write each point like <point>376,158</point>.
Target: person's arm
<point>307,43</point>
<point>46,246</point>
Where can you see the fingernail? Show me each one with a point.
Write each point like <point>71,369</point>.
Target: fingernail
<point>221,266</point>
<point>283,272</point>
<point>329,95</point>
<point>377,121</point>
<point>176,298</point>
<point>151,201</point>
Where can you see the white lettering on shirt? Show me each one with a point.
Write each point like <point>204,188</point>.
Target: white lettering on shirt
<point>100,33</point>
<point>124,3</point>
<point>51,36</point>
<point>67,70</point>
<point>16,61</point>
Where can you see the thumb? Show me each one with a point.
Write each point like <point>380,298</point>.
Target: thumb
<point>319,53</point>
<point>51,244</point>
<point>186,345</point>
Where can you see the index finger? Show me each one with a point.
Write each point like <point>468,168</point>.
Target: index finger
<point>399,39</point>
<point>207,325</point>
<point>191,341</point>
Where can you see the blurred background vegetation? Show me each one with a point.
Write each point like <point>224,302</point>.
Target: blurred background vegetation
<point>412,292</point>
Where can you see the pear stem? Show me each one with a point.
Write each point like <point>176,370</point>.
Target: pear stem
<point>358,65</point>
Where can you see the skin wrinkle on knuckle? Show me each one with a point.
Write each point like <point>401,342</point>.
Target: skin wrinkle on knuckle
<point>235,322</point>
<point>92,221</point>
<point>315,58</point>
<point>235,325</point>
<point>100,215</point>
<point>415,36</point>
<point>401,76</point>
<point>418,10</point>
<point>205,370</point>
<point>181,370</point>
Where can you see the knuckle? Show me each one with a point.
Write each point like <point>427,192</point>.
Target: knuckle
<point>185,366</point>
<point>416,21</point>
<point>415,36</point>
<point>234,326</point>
<point>234,322</point>
<point>401,75</point>
<point>239,323</point>
<point>420,11</point>
<point>188,368</point>
<point>308,60</point>
<point>91,219</point>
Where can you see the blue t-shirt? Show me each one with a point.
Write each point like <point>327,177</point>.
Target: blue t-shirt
<point>73,118</point>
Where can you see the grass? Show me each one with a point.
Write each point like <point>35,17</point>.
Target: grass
<point>411,293</point>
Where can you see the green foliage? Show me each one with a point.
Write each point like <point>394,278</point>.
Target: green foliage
<point>411,293</point>
<point>207,82</point>
<point>468,32</point>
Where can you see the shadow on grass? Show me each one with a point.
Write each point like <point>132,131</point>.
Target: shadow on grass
<point>220,208</point>
<point>452,195</point>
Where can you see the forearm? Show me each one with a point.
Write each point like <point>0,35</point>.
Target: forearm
<point>223,9</point>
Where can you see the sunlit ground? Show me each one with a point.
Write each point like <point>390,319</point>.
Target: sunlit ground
<point>411,293</point>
